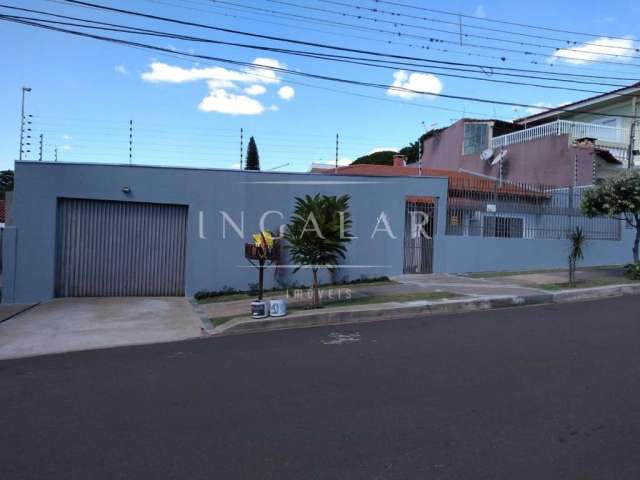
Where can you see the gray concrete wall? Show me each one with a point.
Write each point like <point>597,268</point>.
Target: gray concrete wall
<point>212,262</point>
<point>485,254</point>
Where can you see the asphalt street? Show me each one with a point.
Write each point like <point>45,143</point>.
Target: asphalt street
<point>530,393</point>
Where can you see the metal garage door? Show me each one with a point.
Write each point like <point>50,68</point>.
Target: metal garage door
<point>109,248</point>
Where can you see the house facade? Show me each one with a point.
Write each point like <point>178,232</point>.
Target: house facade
<point>127,230</point>
<point>572,146</point>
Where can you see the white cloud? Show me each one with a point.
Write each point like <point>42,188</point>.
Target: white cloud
<point>344,161</point>
<point>274,108</point>
<point>66,147</point>
<point>480,12</point>
<point>255,90</point>
<point>418,82</point>
<point>220,81</point>
<point>164,73</point>
<point>286,92</point>
<point>222,101</point>
<point>541,107</point>
<point>121,69</point>
<point>66,136</point>
<point>599,49</point>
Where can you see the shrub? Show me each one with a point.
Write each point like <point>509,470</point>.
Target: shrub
<point>633,271</point>
<point>202,294</point>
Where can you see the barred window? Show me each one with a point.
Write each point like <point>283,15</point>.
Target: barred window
<point>503,227</point>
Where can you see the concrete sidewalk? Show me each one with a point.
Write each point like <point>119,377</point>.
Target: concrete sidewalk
<point>70,324</point>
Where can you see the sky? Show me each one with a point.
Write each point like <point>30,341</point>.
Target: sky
<point>86,95</point>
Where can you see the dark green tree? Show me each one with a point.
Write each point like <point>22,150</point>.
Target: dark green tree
<point>617,197</point>
<point>6,182</point>
<point>384,157</point>
<point>317,234</point>
<point>253,157</point>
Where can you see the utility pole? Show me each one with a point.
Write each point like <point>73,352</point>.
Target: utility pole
<point>23,121</point>
<point>420,156</point>
<point>632,132</point>
<point>130,141</point>
<point>241,145</point>
<point>55,152</point>
<point>337,149</point>
<point>40,153</point>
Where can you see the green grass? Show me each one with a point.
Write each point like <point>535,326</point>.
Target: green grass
<point>595,282</point>
<point>406,297</point>
<point>230,297</point>
<point>400,297</point>
<point>217,321</point>
<point>527,272</point>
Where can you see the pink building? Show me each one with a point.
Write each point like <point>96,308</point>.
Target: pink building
<point>478,146</point>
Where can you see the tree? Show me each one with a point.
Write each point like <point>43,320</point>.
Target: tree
<point>253,158</point>
<point>317,234</point>
<point>383,157</point>
<point>6,182</point>
<point>576,252</point>
<point>617,197</point>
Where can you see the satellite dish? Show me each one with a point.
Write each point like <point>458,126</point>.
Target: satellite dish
<point>499,157</point>
<point>487,154</point>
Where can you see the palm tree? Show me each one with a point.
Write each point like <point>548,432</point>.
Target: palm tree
<point>317,234</point>
<point>578,241</point>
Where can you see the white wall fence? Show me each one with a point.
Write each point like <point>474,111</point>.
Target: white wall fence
<point>603,134</point>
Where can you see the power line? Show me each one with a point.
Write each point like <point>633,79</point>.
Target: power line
<point>456,23</point>
<point>492,69</point>
<point>137,30</point>
<point>342,34</point>
<point>492,20</point>
<point>430,39</point>
<point>334,58</point>
<point>422,27</point>
<point>301,73</point>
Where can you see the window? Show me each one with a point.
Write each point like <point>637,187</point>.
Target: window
<point>503,227</point>
<point>476,138</point>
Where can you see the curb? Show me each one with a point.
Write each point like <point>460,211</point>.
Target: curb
<point>397,311</point>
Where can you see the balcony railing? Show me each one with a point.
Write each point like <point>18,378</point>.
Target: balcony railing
<point>602,133</point>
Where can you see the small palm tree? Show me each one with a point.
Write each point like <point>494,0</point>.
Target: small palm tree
<point>317,234</point>
<point>576,252</point>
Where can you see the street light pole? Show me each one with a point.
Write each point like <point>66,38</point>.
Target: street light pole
<point>22,119</point>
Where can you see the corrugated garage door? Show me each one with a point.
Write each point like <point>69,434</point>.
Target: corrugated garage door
<point>109,248</point>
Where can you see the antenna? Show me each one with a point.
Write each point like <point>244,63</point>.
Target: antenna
<point>130,141</point>
<point>56,154</point>
<point>40,153</point>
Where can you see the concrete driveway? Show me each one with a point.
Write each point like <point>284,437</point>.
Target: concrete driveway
<point>69,324</point>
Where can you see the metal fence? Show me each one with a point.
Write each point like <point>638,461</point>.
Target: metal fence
<point>489,208</point>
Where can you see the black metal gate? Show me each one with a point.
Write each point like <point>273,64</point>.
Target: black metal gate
<point>419,227</point>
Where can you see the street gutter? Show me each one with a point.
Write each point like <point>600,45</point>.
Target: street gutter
<point>411,309</point>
